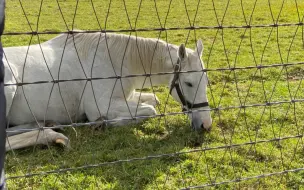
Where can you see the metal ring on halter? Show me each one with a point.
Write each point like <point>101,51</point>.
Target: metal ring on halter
<point>175,84</point>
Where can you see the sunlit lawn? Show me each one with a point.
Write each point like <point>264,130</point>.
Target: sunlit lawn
<point>222,49</point>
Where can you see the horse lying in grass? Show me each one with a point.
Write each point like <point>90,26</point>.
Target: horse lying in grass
<point>95,55</point>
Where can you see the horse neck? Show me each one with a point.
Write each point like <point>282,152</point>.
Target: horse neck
<point>142,53</point>
<point>165,59</point>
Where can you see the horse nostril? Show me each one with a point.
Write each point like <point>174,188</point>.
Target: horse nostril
<point>202,126</point>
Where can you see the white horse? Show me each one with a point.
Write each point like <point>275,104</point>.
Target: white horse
<point>97,55</point>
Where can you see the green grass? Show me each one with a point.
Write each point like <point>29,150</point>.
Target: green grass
<point>239,47</point>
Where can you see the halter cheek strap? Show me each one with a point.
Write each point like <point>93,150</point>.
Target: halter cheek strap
<point>175,84</point>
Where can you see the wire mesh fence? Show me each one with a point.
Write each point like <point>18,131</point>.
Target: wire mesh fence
<point>114,100</point>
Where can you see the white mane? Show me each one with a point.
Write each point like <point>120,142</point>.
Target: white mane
<point>141,51</point>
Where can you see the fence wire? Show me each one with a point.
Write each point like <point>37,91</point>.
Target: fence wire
<point>254,88</point>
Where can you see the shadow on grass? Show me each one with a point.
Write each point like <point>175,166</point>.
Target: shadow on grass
<point>93,147</point>
<point>96,154</point>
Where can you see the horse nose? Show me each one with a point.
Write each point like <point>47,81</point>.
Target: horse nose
<point>207,124</point>
<point>198,122</point>
<point>205,128</point>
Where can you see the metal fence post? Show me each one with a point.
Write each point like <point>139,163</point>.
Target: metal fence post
<point>2,103</point>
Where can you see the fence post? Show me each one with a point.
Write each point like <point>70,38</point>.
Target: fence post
<point>2,103</point>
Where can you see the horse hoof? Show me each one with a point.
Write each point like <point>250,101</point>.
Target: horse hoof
<point>50,123</point>
<point>157,102</point>
<point>65,142</point>
<point>101,125</point>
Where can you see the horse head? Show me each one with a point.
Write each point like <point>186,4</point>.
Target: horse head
<point>190,88</point>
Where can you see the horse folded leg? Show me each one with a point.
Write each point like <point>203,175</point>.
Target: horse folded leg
<point>29,127</point>
<point>123,121</point>
<point>147,98</point>
<point>21,129</point>
<point>139,113</point>
<point>31,138</point>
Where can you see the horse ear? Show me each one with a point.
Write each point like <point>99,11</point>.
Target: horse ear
<point>182,53</point>
<point>199,47</point>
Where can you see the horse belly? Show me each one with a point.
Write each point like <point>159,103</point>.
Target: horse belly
<point>42,101</point>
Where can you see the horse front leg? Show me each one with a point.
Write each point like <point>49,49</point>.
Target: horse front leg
<point>121,114</point>
<point>147,98</point>
<point>27,135</point>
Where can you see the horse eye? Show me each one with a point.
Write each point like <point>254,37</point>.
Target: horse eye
<point>188,84</point>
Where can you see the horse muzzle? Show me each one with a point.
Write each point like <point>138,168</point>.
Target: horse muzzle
<point>201,120</point>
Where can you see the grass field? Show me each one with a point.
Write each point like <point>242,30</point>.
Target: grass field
<point>223,48</point>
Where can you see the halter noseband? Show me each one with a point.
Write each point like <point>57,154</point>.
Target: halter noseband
<point>175,84</point>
